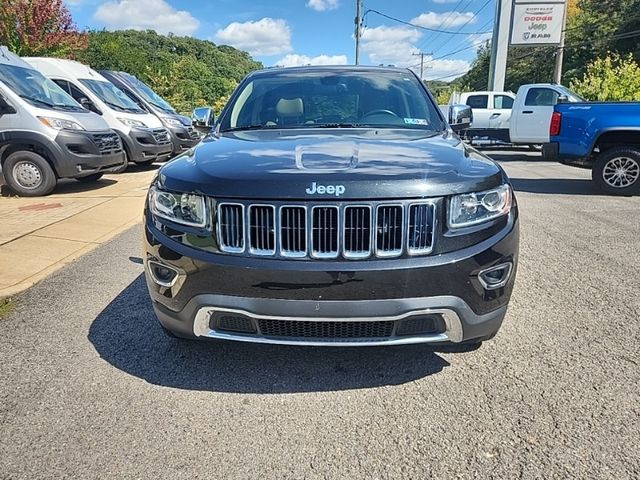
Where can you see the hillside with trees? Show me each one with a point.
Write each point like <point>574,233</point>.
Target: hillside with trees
<point>186,71</point>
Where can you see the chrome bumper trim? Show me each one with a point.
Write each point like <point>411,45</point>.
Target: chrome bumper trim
<point>453,329</point>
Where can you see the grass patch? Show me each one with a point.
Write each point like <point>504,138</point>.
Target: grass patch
<point>5,306</point>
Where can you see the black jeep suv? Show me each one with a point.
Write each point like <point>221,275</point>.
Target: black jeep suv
<point>331,206</point>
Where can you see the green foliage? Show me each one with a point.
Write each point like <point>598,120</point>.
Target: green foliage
<point>610,78</point>
<point>594,28</point>
<point>186,71</point>
<point>5,306</point>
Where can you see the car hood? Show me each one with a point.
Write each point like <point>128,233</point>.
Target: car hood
<point>367,164</point>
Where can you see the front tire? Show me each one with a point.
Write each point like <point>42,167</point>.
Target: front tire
<point>29,174</point>
<point>617,171</point>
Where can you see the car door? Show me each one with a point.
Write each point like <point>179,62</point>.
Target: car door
<point>479,104</point>
<point>535,115</point>
<point>500,115</point>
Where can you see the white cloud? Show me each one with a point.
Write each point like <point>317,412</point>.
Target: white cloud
<point>479,38</point>
<point>390,45</point>
<point>267,36</point>
<point>452,19</point>
<point>322,5</point>
<point>295,60</point>
<point>155,15</point>
<point>397,46</point>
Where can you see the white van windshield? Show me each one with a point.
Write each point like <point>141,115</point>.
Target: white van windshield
<point>149,95</point>
<point>36,89</point>
<point>112,95</point>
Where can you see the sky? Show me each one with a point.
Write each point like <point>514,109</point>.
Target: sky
<point>302,32</point>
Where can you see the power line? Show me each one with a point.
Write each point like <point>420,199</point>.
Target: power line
<point>420,26</point>
<point>444,23</point>
<point>475,15</point>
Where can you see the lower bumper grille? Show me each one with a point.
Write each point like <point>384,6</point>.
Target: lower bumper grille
<point>329,330</point>
<point>326,330</point>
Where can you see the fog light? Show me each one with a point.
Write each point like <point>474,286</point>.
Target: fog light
<point>163,275</point>
<point>496,276</point>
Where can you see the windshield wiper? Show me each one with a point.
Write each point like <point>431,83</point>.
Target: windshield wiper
<point>246,127</point>
<point>334,125</point>
<point>121,108</point>
<point>61,106</point>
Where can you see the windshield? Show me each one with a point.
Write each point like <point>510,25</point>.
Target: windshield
<point>37,89</point>
<point>149,95</point>
<point>111,95</point>
<point>328,98</point>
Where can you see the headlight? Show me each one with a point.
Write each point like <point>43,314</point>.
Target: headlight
<point>473,208</point>
<point>174,122</point>
<point>131,122</point>
<point>60,124</point>
<point>184,208</point>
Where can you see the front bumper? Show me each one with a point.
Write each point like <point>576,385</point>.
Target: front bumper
<point>445,289</point>
<point>79,154</point>
<point>183,138</point>
<point>147,145</point>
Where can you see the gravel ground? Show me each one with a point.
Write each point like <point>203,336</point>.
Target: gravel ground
<point>91,388</point>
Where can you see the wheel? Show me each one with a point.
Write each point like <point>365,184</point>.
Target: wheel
<point>617,171</point>
<point>29,174</point>
<point>124,166</point>
<point>94,177</point>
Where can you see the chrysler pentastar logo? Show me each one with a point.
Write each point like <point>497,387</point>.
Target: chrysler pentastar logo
<point>316,189</point>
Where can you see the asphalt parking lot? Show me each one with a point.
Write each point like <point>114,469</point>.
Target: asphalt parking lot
<point>91,388</point>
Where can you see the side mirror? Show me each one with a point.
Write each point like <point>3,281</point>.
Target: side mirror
<point>203,118</point>
<point>89,105</point>
<point>563,99</point>
<point>460,117</point>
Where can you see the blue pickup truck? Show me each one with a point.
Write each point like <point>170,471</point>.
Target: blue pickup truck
<point>602,136</point>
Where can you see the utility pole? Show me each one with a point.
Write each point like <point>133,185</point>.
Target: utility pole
<point>421,55</point>
<point>500,45</point>
<point>358,29</point>
<point>557,70</point>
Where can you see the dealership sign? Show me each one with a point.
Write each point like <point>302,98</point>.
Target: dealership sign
<point>537,23</point>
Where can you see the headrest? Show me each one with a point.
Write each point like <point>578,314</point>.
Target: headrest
<point>293,107</point>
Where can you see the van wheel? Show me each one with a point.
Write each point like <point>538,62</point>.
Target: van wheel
<point>29,174</point>
<point>617,171</point>
<point>94,177</point>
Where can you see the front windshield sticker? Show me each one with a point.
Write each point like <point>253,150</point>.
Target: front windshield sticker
<point>416,121</point>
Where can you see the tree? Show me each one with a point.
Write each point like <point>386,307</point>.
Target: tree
<point>39,28</point>
<point>611,78</point>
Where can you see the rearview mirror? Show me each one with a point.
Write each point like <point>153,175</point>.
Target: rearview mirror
<point>460,117</point>
<point>203,118</point>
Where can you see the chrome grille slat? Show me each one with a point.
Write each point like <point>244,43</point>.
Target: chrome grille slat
<point>231,227</point>
<point>389,230</point>
<point>420,229</point>
<point>293,231</point>
<point>262,230</point>
<point>327,230</point>
<point>324,231</point>
<point>357,231</point>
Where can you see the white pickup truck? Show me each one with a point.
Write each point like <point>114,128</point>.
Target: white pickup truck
<point>520,119</point>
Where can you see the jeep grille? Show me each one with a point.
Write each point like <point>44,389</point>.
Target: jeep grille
<point>326,231</point>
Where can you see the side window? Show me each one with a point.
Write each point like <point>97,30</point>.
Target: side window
<point>503,102</point>
<point>478,101</point>
<point>541,97</point>
<point>76,93</point>
<point>63,84</point>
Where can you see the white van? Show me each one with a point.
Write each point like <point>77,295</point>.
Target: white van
<point>46,135</point>
<point>144,138</point>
